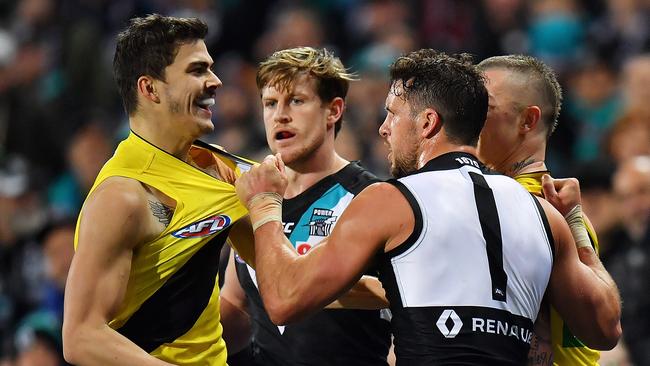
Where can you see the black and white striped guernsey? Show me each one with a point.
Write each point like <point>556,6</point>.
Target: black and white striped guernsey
<point>466,286</point>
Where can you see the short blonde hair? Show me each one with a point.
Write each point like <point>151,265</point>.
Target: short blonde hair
<point>283,67</point>
<point>541,79</point>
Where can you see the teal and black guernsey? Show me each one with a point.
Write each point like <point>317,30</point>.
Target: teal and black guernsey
<point>329,337</point>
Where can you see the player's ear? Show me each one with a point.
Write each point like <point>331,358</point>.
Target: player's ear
<point>530,118</point>
<point>431,123</point>
<point>147,89</point>
<point>335,110</point>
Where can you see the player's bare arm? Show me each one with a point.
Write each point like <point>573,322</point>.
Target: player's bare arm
<point>541,349</point>
<point>366,294</point>
<point>279,267</point>
<point>581,289</point>
<point>116,217</point>
<point>332,267</point>
<point>564,195</point>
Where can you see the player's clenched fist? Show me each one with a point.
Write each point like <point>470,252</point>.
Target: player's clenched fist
<point>261,190</point>
<point>563,194</point>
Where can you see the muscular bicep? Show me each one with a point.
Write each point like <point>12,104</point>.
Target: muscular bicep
<point>379,218</point>
<point>568,275</point>
<point>294,286</point>
<point>112,223</point>
<point>580,288</point>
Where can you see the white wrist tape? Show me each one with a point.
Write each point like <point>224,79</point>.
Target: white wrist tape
<point>578,228</point>
<point>265,207</point>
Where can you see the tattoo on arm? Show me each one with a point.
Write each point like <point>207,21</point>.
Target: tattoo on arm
<point>540,353</point>
<point>518,166</point>
<point>161,212</point>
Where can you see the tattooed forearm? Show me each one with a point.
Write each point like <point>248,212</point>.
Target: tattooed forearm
<point>518,166</point>
<point>161,212</point>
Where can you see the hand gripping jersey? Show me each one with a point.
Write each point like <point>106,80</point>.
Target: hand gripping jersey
<point>462,287</point>
<point>567,349</point>
<point>331,336</point>
<point>171,305</point>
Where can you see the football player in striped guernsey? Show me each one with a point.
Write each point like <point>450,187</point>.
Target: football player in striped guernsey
<point>453,241</point>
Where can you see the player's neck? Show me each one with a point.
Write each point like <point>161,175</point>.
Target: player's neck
<point>433,148</point>
<point>175,144</point>
<point>304,174</point>
<point>525,162</point>
<point>528,157</point>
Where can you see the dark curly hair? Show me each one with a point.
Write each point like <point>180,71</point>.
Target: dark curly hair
<point>146,47</point>
<point>450,84</point>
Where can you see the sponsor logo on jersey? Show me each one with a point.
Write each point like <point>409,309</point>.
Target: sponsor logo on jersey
<point>321,222</point>
<point>288,227</point>
<point>449,324</point>
<point>302,248</point>
<point>500,327</point>
<point>449,316</point>
<point>204,227</point>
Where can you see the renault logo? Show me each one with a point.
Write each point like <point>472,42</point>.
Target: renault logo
<point>446,315</point>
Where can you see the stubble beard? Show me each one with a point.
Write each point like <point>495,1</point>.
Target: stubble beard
<point>300,153</point>
<point>175,108</point>
<point>404,164</point>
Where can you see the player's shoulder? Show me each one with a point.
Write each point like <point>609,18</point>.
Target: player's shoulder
<point>118,194</point>
<point>382,192</point>
<point>116,213</point>
<point>354,177</point>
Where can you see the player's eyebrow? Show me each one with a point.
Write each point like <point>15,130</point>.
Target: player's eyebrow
<point>201,64</point>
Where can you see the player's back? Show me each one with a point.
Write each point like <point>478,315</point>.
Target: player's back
<point>462,288</point>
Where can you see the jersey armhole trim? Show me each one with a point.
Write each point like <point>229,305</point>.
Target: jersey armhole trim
<point>547,227</point>
<point>417,213</point>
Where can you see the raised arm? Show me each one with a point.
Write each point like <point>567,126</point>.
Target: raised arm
<point>581,289</point>
<point>564,195</point>
<point>114,221</point>
<point>292,286</point>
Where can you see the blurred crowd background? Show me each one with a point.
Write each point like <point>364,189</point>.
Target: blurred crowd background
<point>61,117</point>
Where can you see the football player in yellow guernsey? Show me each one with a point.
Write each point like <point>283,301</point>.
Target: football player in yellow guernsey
<point>142,288</point>
<point>524,103</point>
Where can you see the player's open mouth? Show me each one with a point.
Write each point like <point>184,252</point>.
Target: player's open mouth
<point>283,135</point>
<point>205,103</point>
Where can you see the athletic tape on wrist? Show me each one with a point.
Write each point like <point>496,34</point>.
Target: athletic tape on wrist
<point>578,228</point>
<point>265,207</point>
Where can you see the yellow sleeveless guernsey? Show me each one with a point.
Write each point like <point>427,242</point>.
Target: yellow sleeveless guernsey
<point>567,349</point>
<point>171,306</point>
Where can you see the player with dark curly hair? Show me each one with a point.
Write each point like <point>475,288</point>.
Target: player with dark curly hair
<point>452,241</point>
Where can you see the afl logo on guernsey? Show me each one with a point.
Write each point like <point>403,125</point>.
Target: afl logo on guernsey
<point>204,227</point>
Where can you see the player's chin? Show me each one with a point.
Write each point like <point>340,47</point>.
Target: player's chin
<point>206,127</point>
<point>288,155</point>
